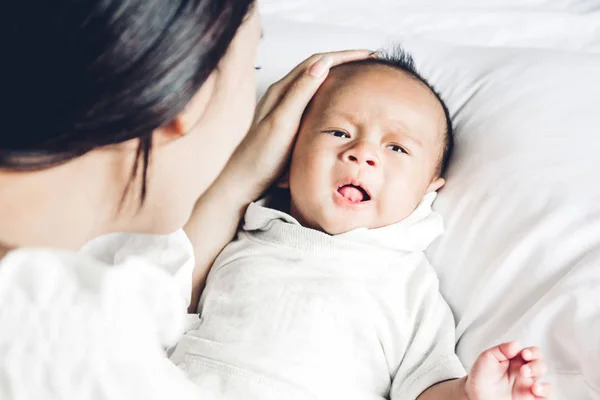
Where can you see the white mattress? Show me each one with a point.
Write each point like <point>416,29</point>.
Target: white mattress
<point>558,24</point>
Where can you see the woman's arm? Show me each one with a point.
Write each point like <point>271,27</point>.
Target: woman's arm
<point>213,224</point>
<point>247,175</point>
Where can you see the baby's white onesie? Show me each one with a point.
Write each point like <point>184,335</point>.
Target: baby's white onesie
<point>291,312</point>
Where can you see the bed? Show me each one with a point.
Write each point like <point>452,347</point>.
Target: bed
<point>520,258</point>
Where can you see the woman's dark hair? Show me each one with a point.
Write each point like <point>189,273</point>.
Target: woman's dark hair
<point>80,74</point>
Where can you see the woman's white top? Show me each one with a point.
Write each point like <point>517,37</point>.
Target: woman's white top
<point>94,325</point>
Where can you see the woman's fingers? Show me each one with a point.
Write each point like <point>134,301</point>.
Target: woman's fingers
<point>305,79</point>
<point>300,92</point>
<point>337,58</point>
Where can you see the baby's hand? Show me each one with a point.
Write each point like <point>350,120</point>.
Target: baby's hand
<point>508,371</point>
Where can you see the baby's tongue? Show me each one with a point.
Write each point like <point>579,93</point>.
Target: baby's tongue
<point>351,193</point>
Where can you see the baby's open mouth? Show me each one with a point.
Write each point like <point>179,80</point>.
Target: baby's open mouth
<point>354,193</point>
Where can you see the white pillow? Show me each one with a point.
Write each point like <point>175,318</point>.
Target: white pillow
<point>564,24</point>
<point>520,258</point>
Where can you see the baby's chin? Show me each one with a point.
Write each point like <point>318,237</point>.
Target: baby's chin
<point>333,228</point>
<point>337,227</point>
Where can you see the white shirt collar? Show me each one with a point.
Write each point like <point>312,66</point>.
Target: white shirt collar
<point>413,234</point>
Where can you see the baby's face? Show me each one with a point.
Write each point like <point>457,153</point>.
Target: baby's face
<point>367,151</point>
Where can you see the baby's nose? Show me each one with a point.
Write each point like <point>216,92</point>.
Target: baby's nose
<point>362,154</point>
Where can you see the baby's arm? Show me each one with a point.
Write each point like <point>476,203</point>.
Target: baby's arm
<point>427,350</point>
<point>453,389</point>
<point>504,372</point>
<point>428,367</point>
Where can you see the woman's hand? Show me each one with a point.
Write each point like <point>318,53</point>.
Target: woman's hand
<point>262,155</point>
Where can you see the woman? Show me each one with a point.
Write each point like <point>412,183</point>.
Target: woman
<point>125,116</point>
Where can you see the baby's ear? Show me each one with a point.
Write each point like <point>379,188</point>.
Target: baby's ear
<point>436,185</point>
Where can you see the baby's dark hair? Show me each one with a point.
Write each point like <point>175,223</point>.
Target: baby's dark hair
<point>397,57</point>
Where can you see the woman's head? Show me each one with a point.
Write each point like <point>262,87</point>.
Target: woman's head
<point>161,89</point>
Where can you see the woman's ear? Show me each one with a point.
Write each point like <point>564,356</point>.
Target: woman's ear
<point>191,115</point>
<point>171,131</point>
<point>436,185</point>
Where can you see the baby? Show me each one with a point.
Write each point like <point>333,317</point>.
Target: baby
<point>329,295</point>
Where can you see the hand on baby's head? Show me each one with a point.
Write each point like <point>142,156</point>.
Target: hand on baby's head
<point>373,141</point>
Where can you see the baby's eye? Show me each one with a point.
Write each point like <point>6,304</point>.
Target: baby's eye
<point>396,148</point>
<point>339,134</point>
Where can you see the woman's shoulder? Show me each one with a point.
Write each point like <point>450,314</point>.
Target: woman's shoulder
<point>74,325</point>
<point>46,281</point>
<point>172,253</point>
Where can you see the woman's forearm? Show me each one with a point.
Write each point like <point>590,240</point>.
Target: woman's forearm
<point>213,225</point>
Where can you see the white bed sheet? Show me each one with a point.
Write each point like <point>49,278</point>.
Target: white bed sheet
<point>558,24</point>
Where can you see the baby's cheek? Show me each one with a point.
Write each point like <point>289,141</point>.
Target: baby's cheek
<point>393,213</point>
<point>398,203</point>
